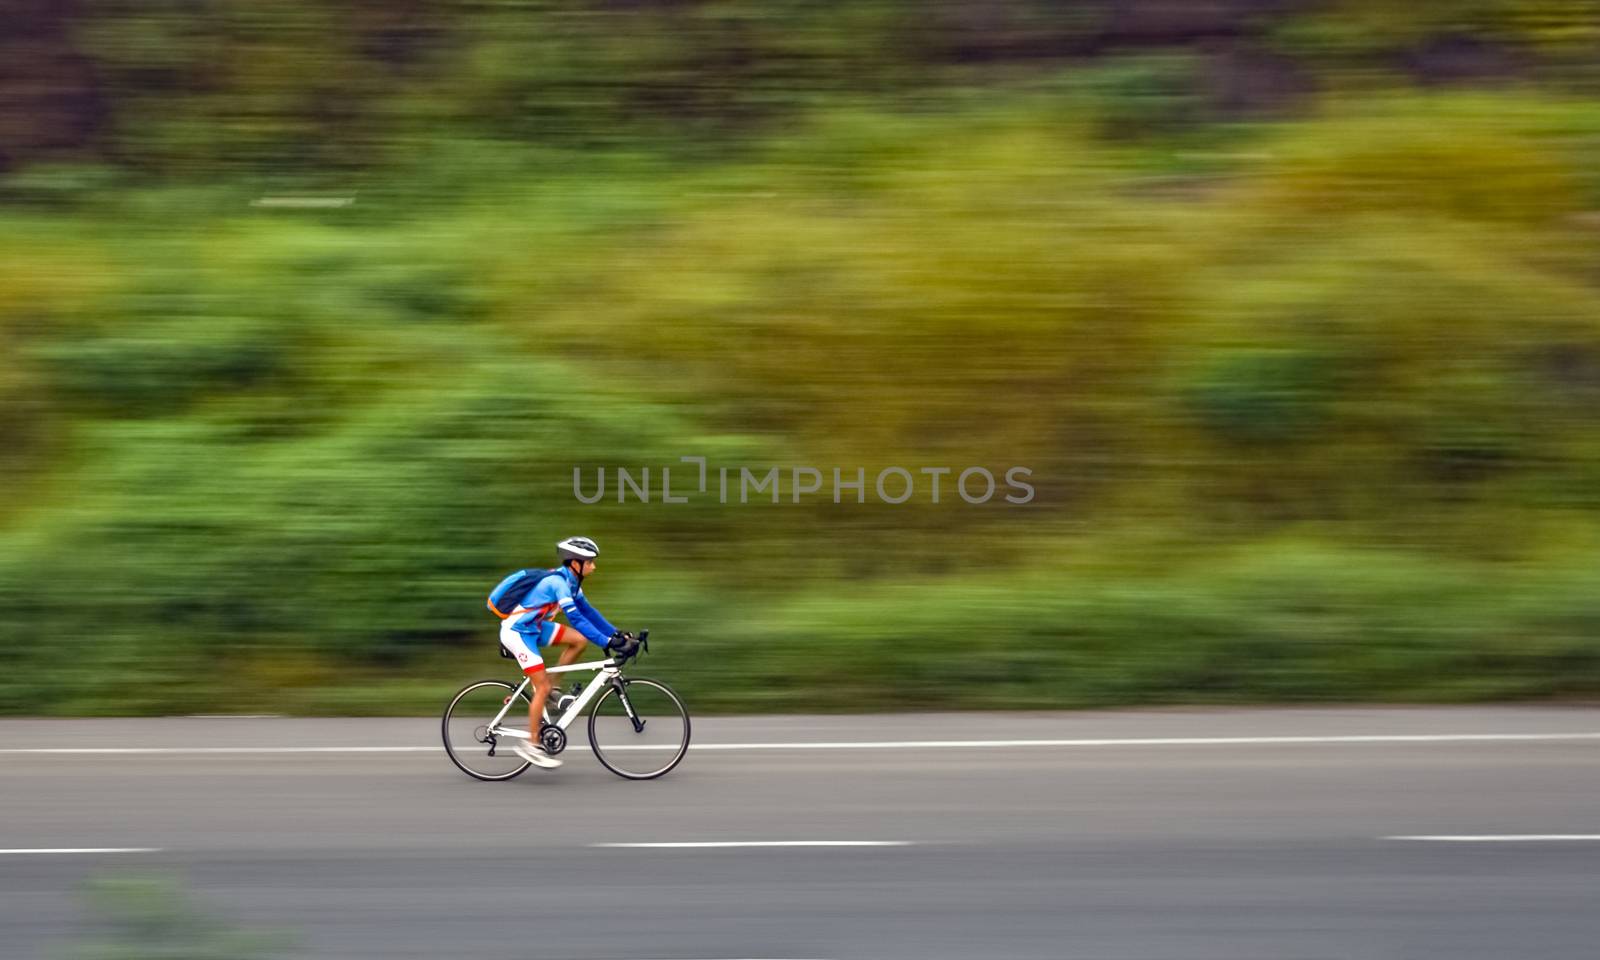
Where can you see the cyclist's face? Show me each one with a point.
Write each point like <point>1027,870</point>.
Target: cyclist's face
<point>588,568</point>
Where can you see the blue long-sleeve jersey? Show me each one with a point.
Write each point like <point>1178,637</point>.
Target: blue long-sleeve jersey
<point>561,591</point>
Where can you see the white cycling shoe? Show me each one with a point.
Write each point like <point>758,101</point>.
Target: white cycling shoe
<point>534,755</point>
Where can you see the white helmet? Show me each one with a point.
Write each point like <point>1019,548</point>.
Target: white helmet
<point>577,548</point>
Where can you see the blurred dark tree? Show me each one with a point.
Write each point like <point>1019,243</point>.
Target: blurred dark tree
<point>326,87</point>
<point>50,101</point>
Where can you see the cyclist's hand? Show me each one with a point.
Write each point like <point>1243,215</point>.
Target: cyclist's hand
<point>624,646</point>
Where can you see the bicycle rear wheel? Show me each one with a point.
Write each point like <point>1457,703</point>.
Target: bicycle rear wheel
<point>640,733</point>
<point>465,729</point>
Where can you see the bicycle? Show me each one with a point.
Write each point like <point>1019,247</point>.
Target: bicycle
<point>631,717</point>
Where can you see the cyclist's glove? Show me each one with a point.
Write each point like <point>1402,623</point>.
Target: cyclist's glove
<point>623,645</point>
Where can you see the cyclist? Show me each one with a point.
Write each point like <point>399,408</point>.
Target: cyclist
<point>531,627</point>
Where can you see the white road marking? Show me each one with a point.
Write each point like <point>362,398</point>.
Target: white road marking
<point>889,744</point>
<point>1507,838</point>
<point>174,750</point>
<point>25,850</point>
<point>758,843</point>
<point>1127,742</point>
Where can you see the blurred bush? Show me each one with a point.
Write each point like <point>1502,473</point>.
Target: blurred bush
<point>1299,335</point>
<point>152,916</point>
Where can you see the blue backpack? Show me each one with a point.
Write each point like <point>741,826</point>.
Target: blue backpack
<point>504,598</point>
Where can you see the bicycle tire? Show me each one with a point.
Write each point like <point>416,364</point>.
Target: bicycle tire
<point>673,739</point>
<point>467,750</point>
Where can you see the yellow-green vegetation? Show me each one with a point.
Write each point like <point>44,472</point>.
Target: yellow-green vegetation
<point>145,915</point>
<point>1311,400</point>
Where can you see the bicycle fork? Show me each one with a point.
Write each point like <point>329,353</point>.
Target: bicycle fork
<point>627,707</point>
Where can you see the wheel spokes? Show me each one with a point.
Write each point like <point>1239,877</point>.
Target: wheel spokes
<point>640,733</point>
<point>470,741</point>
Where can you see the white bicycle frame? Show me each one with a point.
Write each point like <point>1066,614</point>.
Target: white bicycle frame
<point>607,669</point>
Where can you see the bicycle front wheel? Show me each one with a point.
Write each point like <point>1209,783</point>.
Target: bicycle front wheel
<point>467,738</point>
<point>640,729</point>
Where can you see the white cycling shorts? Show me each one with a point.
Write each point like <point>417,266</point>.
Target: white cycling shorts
<point>527,657</point>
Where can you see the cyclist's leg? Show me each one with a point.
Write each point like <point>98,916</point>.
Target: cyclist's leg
<point>532,665</point>
<point>554,634</point>
<point>538,693</point>
<point>572,644</point>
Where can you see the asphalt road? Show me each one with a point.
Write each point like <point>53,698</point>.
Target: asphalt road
<point>1217,841</point>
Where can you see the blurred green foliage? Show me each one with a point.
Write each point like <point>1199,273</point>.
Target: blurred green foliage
<point>1299,334</point>
<point>153,916</point>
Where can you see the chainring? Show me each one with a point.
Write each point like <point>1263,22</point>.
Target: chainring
<point>554,739</point>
